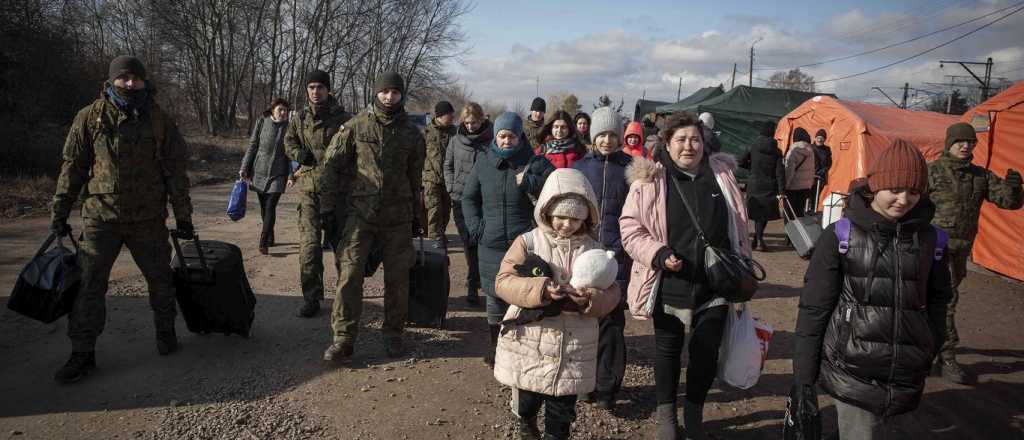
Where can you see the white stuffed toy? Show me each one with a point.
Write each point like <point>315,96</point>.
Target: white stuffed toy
<point>595,268</point>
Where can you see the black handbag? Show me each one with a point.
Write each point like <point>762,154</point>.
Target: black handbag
<point>731,275</point>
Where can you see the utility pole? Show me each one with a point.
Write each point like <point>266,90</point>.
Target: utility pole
<point>750,78</point>
<point>538,86</point>
<point>949,103</point>
<point>986,83</point>
<point>679,91</point>
<point>733,83</point>
<point>906,89</point>
<point>888,97</point>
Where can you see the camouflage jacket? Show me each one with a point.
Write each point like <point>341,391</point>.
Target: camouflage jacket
<point>309,131</point>
<point>958,190</point>
<point>531,129</point>
<point>437,137</point>
<point>130,166</point>
<point>382,159</point>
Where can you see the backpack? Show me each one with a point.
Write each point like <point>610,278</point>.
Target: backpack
<point>842,231</point>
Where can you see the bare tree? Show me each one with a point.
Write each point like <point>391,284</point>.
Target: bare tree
<point>792,80</point>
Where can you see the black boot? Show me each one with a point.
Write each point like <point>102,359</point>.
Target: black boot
<point>264,249</point>
<point>951,370</point>
<point>309,309</point>
<point>339,351</point>
<point>489,357</point>
<point>528,429</point>
<point>693,421</point>
<point>166,342</point>
<point>77,367</point>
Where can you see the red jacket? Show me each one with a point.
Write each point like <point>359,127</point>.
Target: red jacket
<point>638,150</point>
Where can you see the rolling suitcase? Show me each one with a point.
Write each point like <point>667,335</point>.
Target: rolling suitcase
<point>212,289</point>
<point>429,285</point>
<point>803,232</point>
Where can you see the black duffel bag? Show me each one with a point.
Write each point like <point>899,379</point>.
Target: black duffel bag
<point>48,284</point>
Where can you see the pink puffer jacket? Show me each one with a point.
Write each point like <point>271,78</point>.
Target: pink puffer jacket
<point>644,224</point>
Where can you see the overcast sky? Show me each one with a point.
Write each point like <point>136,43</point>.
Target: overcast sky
<point>625,49</point>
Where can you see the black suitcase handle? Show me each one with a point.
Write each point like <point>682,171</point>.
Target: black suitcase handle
<point>199,250</point>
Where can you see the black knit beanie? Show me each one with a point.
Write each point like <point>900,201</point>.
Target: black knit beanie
<point>538,105</point>
<point>821,132</point>
<point>389,80</point>
<point>443,108</point>
<point>961,131</point>
<point>801,135</point>
<point>126,64</point>
<point>318,76</point>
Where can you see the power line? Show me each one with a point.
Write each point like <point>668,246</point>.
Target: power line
<point>924,52</point>
<point>901,42</point>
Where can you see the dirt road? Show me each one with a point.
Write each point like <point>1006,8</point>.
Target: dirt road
<point>274,385</point>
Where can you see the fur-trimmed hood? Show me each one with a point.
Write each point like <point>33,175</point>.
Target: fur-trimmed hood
<point>644,170</point>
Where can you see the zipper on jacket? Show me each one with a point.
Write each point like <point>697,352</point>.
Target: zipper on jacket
<point>897,300</point>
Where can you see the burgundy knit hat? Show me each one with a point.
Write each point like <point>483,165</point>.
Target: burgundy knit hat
<point>899,166</point>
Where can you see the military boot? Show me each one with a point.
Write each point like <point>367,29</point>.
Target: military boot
<point>77,367</point>
<point>166,342</point>
<point>666,422</point>
<point>951,370</point>
<point>338,351</point>
<point>394,346</point>
<point>693,421</point>
<point>528,429</point>
<point>264,248</point>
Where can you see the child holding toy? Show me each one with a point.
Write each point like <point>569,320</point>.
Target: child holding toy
<point>551,360</point>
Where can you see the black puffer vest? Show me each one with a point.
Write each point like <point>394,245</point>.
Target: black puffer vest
<point>879,346</point>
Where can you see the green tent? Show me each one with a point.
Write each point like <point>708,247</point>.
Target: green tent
<point>698,96</point>
<point>644,107</point>
<point>741,112</point>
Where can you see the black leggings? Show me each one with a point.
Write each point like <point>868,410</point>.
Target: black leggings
<point>268,211</point>
<point>669,336</point>
<point>559,412</point>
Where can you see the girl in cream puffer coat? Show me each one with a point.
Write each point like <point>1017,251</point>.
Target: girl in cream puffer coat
<point>551,360</point>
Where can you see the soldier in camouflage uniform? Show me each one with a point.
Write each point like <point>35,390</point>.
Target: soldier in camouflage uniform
<point>534,124</point>
<point>436,200</point>
<point>126,159</point>
<point>381,152</point>
<point>306,141</point>
<point>958,188</point>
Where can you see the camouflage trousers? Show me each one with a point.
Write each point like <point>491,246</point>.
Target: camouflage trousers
<point>395,243</point>
<point>311,252</point>
<point>99,246</point>
<point>958,252</point>
<point>438,205</point>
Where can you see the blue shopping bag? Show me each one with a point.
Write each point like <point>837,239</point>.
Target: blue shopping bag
<point>236,203</point>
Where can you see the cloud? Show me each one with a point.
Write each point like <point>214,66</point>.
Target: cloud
<point>629,63</point>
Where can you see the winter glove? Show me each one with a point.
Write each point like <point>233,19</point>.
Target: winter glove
<point>1013,177</point>
<point>802,420</point>
<point>329,224</point>
<point>185,230</point>
<point>60,227</point>
<point>306,157</point>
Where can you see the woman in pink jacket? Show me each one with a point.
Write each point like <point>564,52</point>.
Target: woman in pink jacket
<point>668,283</point>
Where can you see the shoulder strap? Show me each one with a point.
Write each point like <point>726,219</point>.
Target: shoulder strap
<point>941,240</point>
<point>689,210</point>
<point>842,230</point>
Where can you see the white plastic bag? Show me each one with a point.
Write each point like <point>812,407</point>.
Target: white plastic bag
<point>741,358</point>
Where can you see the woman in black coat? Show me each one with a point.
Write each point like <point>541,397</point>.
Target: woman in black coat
<point>764,186</point>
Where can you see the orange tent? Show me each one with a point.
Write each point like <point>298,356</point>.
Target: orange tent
<point>858,132</point>
<point>1000,126</point>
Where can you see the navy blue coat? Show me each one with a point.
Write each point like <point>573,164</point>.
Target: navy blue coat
<point>497,210</point>
<point>607,175</point>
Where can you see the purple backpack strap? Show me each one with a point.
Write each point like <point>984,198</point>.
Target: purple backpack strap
<point>843,234</point>
<point>941,240</point>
